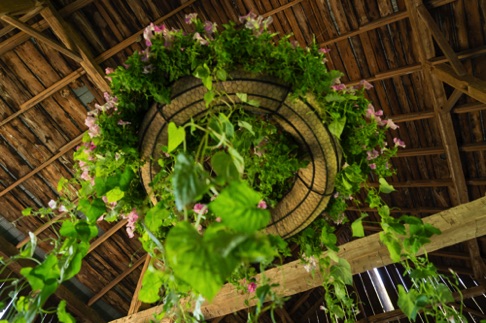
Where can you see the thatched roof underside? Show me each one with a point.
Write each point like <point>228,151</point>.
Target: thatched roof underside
<point>426,63</point>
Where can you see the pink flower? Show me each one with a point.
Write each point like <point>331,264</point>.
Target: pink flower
<point>391,124</point>
<point>90,121</point>
<point>399,142</point>
<point>109,70</point>
<point>190,18</point>
<point>199,38</point>
<point>262,204</point>
<point>373,166</point>
<point>85,175</point>
<point>252,287</point>
<point>91,146</point>
<point>52,204</point>
<point>218,219</point>
<point>209,27</point>
<point>372,154</point>
<point>132,217</point>
<point>62,208</point>
<point>200,208</point>
<point>324,50</point>
<point>123,123</point>
<point>364,84</point>
<point>338,87</point>
<point>94,131</point>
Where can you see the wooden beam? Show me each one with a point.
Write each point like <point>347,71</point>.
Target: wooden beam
<point>5,30</point>
<point>419,183</point>
<point>380,22</point>
<point>451,101</point>
<point>467,84</point>
<point>444,45</point>
<point>61,152</point>
<point>37,35</point>
<point>41,229</point>
<point>398,314</point>
<point>75,305</point>
<point>115,282</point>
<point>406,117</point>
<point>477,262</point>
<point>458,224</point>
<point>136,303</point>
<point>479,146</point>
<point>418,209</point>
<point>282,8</point>
<point>73,41</point>
<point>470,107</point>
<point>95,244</point>
<point>420,152</point>
<point>13,7</point>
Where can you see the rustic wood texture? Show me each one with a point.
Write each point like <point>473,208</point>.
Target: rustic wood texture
<point>431,80</point>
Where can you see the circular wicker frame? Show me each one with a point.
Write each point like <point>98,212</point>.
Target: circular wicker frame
<point>313,185</point>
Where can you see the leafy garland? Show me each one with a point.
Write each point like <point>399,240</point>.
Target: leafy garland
<point>198,259</point>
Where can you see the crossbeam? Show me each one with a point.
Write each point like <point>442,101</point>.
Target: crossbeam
<point>458,224</point>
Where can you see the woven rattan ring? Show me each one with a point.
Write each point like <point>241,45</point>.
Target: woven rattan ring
<point>314,184</point>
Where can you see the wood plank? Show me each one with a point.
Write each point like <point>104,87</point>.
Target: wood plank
<point>5,30</point>
<point>61,152</point>
<point>37,35</point>
<point>470,107</point>
<point>477,263</point>
<point>136,303</point>
<point>457,224</point>
<point>118,279</point>
<point>411,152</point>
<point>16,6</point>
<point>468,84</point>
<point>74,304</point>
<point>107,235</point>
<point>431,25</point>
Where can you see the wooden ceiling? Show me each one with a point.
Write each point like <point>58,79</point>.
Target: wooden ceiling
<point>426,61</point>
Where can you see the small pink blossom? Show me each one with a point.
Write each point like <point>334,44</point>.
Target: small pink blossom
<point>311,263</point>
<point>132,217</point>
<point>398,142</point>
<point>190,18</point>
<point>200,39</point>
<point>91,146</point>
<point>252,287</point>
<point>123,123</point>
<point>373,166</point>
<point>338,87</point>
<point>324,50</point>
<point>52,204</point>
<point>218,219</point>
<point>391,124</point>
<point>200,208</point>
<point>85,175</point>
<point>262,204</point>
<point>62,208</point>
<point>90,122</point>
<point>364,84</point>
<point>372,154</point>
<point>100,218</point>
<point>336,195</point>
<point>109,70</point>
<point>94,131</point>
<point>210,27</point>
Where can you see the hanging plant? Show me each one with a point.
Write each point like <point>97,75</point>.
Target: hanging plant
<point>204,146</point>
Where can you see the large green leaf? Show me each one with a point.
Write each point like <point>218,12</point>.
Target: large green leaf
<point>151,284</point>
<point>188,181</point>
<point>336,127</point>
<point>193,261</point>
<point>223,165</point>
<point>154,218</point>
<point>177,135</point>
<point>62,315</point>
<point>237,206</point>
<point>92,210</point>
<point>410,303</point>
<point>342,271</point>
<point>114,195</point>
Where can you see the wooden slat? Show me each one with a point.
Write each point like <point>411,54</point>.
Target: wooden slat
<point>34,33</point>
<point>41,229</point>
<point>136,303</point>
<point>470,107</point>
<point>458,224</point>
<point>118,279</point>
<point>61,152</point>
<point>74,304</point>
<point>16,6</point>
<point>95,244</point>
<point>468,84</point>
<point>420,152</point>
<point>441,40</point>
<point>5,30</point>
<point>476,260</point>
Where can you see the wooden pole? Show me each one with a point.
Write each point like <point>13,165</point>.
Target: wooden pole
<point>461,223</point>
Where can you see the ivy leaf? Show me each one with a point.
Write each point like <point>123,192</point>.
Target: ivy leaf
<point>444,294</point>
<point>385,187</point>
<point>125,179</point>
<point>153,280</point>
<point>188,181</point>
<point>392,245</point>
<point>242,96</point>
<point>203,73</point>
<point>221,75</point>
<point>223,165</point>
<point>410,303</point>
<point>176,136</point>
<point>342,271</point>
<point>92,210</point>
<point>27,211</point>
<point>192,262</point>
<point>105,183</point>
<point>209,97</point>
<point>246,125</point>
<point>357,228</point>
<point>114,195</point>
<point>155,217</point>
<point>336,127</point>
<point>237,206</point>
<point>62,182</point>
<point>62,315</point>
<point>79,250</point>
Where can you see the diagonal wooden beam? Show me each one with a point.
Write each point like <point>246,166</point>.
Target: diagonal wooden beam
<point>95,244</point>
<point>71,39</point>
<point>136,303</point>
<point>467,84</point>
<point>118,279</point>
<point>13,7</point>
<point>75,305</point>
<point>41,37</point>
<point>61,152</point>
<point>440,39</point>
<point>5,30</point>
<point>457,224</point>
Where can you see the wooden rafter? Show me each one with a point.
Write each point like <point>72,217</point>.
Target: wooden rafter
<point>458,224</point>
<point>75,305</point>
<point>136,303</point>
<point>467,84</point>
<point>95,244</point>
<point>14,7</point>
<point>117,280</point>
